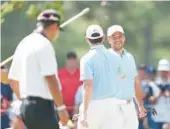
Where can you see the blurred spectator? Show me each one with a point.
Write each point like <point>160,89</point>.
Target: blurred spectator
<point>69,77</point>
<point>151,91</point>
<point>147,75</point>
<point>149,85</point>
<point>162,102</point>
<point>6,98</point>
<point>16,120</point>
<point>141,72</point>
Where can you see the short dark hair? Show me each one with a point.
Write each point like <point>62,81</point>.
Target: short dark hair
<point>71,54</point>
<point>94,41</point>
<point>98,40</point>
<point>46,24</point>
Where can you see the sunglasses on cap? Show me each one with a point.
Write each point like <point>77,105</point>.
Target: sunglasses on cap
<point>52,17</point>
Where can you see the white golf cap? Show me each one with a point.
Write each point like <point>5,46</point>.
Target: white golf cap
<point>92,30</point>
<point>164,65</point>
<point>115,28</point>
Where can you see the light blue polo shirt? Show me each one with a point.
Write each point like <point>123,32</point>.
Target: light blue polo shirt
<point>103,68</point>
<point>126,87</point>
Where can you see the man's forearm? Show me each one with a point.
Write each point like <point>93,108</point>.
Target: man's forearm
<point>87,97</point>
<point>54,89</point>
<point>139,93</point>
<point>15,87</point>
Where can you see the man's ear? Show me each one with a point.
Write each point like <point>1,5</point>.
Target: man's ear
<point>108,39</point>
<point>103,38</point>
<point>87,40</point>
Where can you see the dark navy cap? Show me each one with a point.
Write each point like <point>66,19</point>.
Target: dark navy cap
<point>150,70</point>
<point>71,55</point>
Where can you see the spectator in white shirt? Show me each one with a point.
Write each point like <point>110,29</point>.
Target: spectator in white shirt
<point>162,104</point>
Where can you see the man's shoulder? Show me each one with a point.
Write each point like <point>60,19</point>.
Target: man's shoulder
<point>88,56</point>
<point>62,71</point>
<point>129,55</point>
<point>41,43</point>
<point>35,38</point>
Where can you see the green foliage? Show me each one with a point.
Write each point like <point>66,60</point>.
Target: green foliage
<point>33,8</point>
<point>8,7</point>
<point>146,25</point>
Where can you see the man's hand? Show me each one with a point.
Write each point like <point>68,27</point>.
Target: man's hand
<point>142,111</point>
<point>152,99</point>
<point>64,117</point>
<point>83,119</point>
<point>17,123</point>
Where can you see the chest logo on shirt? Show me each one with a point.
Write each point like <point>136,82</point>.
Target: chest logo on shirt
<point>121,73</point>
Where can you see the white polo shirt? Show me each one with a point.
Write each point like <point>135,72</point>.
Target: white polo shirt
<point>33,59</point>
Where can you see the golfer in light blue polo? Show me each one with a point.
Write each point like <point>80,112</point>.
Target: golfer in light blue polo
<point>100,71</point>
<point>128,87</point>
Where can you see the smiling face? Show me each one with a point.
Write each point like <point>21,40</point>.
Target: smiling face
<point>117,40</point>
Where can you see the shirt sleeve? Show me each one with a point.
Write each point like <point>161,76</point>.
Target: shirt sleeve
<point>14,69</point>
<point>85,70</point>
<point>47,61</point>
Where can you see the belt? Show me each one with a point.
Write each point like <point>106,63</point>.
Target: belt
<point>129,101</point>
<point>123,101</point>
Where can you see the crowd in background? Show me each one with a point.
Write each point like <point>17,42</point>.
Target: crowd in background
<point>155,83</point>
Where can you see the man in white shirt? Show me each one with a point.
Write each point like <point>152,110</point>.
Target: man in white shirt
<point>33,75</point>
<point>162,101</point>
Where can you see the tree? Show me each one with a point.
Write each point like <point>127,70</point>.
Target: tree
<point>143,21</point>
<point>32,10</point>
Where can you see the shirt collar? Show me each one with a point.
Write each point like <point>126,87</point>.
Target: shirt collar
<point>101,46</point>
<point>123,53</point>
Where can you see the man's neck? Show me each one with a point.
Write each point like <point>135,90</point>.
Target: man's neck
<point>96,44</point>
<point>47,34</point>
<point>71,70</point>
<point>120,52</point>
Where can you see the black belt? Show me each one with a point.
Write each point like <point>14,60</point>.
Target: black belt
<point>35,99</point>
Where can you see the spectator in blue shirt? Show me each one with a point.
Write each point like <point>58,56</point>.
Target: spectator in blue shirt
<point>6,98</point>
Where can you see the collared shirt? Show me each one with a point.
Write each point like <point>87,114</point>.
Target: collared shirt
<point>33,59</point>
<point>70,83</point>
<point>126,89</point>
<point>103,68</point>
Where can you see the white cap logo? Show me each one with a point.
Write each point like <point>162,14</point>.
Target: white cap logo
<point>92,29</point>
